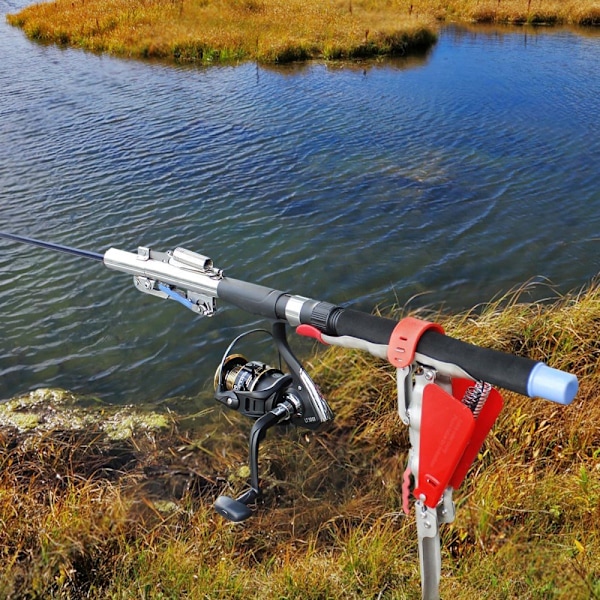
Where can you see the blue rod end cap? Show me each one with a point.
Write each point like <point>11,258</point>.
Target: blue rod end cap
<point>552,384</point>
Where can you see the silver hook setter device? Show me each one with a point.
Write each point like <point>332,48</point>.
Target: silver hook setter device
<point>445,387</point>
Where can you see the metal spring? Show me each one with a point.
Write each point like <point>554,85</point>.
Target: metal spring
<point>476,395</point>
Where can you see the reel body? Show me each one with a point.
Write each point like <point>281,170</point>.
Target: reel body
<point>251,387</point>
<point>269,396</point>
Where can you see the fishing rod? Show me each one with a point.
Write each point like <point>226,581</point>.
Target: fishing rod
<point>52,246</point>
<point>444,385</point>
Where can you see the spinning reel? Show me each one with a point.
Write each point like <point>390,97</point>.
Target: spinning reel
<point>270,396</point>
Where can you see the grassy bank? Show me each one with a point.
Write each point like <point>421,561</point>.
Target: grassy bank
<point>274,30</point>
<point>213,30</point>
<point>542,12</point>
<point>88,514</point>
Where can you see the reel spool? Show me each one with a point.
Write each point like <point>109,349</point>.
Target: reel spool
<point>238,374</point>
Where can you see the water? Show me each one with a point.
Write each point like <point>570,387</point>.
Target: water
<point>442,180</point>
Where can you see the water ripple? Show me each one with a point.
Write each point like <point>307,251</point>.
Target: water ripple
<point>450,182</point>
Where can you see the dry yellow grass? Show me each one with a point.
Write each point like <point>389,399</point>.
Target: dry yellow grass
<point>84,516</point>
<point>275,30</point>
<point>209,30</point>
<point>547,12</point>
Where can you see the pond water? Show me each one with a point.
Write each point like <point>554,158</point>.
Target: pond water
<point>446,179</point>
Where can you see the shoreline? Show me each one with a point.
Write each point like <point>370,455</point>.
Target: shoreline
<point>275,31</point>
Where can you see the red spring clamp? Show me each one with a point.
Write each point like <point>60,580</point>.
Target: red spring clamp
<point>484,422</point>
<point>449,434</point>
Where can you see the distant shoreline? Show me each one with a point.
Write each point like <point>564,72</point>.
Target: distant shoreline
<point>274,31</point>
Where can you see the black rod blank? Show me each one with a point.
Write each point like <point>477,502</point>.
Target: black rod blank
<point>51,246</point>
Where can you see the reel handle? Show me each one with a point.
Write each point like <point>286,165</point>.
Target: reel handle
<point>237,510</point>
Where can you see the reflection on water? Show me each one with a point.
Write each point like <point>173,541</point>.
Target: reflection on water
<point>447,179</point>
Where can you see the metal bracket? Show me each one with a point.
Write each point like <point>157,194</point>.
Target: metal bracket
<point>185,260</point>
<point>430,554</point>
<point>203,305</point>
<point>411,382</point>
<point>428,535</point>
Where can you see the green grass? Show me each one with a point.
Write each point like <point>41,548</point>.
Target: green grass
<point>86,515</point>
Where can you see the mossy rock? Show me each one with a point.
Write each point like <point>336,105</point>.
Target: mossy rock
<point>48,409</point>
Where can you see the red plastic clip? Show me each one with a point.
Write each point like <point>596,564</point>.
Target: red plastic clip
<point>404,339</point>
<point>310,331</point>
<point>450,437</point>
<point>446,429</point>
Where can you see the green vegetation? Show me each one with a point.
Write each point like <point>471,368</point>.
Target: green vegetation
<point>274,30</point>
<point>85,515</point>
